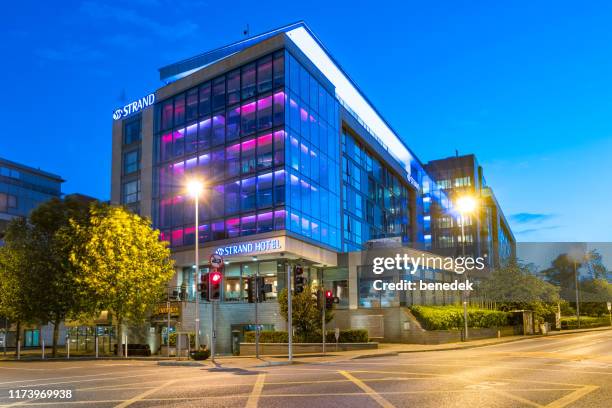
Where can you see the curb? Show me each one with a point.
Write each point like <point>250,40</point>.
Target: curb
<point>181,363</point>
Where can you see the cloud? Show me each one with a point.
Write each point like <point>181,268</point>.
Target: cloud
<point>531,230</point>
<point>530,218</point>
<point>177,30</point>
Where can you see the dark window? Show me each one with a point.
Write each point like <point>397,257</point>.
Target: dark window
<point>248,194</point>
<point>279,147</point>
<point>233,124</point>
<point>233,87</point>
<point>248,156</point>
<point>264,152</point>
<point>179,142</point>
<point>279,108</point>
<point>218,129</point>
<point>191,112</point>
<point>218,93</point>
<point>232,161</point>
<point>248,81</point>
<point>166,115</point>
<point>279,69</point>
<point>232,198</point>
<point>204,107</point>
<point>191,138</point>
<point>131,131</point>
<point>279,187</point>
<point>264,190</point>
<point>264,74</point>
<point>204,131</point>
<point>131,192</point>
<point>249,118</point>
<point>130,162</point>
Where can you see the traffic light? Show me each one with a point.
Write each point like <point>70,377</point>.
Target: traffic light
<point>256,285</point>
<point>329,299</point>
<point>215,279</point>
<point>203,286</point>
<point>298,279</point>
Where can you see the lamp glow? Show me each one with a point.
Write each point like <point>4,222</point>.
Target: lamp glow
<point>466,204</point>
<point>195,187</point>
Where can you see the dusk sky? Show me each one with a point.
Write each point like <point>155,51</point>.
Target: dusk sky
<point>526,87</point>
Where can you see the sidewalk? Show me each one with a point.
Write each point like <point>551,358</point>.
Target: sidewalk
<point>244,362</point>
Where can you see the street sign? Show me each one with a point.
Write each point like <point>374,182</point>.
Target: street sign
<point>216,261</point>
<point>609,306</point>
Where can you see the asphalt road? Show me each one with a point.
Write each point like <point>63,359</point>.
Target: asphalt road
<point>570,370</point>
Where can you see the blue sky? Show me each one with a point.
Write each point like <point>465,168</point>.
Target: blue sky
<point>526,87</point>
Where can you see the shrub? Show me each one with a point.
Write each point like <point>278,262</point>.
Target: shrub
<point>586,322</point>
<point>451,317</point>
<point>346,336</point>
<point>200,355</point>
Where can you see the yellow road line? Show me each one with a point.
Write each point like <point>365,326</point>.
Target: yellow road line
<point>369,390</point>
<point>572,397</point>
<point>145,394</point>
<point>257,389</point>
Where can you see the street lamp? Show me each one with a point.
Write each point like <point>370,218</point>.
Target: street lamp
<point>465,205</point>
<point>195,187</point>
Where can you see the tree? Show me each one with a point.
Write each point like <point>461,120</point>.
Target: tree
<point>514,286</point>
<point>596,267</point>
<point>124,266</point>
<point>562,273</point>
<point>305,312</point>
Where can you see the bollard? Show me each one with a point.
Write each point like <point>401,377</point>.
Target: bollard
<point>68,348</point>
<point>43,348</point>
<point>96,346</point>
<point>19,350</point>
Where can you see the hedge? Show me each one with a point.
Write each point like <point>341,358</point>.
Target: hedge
<point>451,317</point>
<point>346,336</point>
<point>585,322</point>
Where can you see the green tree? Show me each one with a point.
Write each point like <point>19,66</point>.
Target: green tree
<point>124,265</point>
<point>514,286</point>
<point>562,273</point>
<point>596,267</point>
<point>306,314</point>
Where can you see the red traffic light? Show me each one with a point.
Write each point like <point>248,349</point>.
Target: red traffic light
<point>215,277</point>
<point>328,294</point>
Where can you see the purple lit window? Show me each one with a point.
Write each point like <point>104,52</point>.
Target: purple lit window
<point>179,109</point>
<point>203,233</point>
<point>314,130</point>
<point>280,219</point>
<point>204,131</point>
<point>295,153</point>
<point>264,113</point>
<point>165,149</point>
<point>232,161</point>
<point>265,222</point>
<point>178,175</point>
<point>189,237</point>
<point>233,123</point>
<point>217,201</point>
<point>264,190</point>
<point>248,156</point>
<point>248,225</point>
<point>165,212</point>
<point>191,138</point>
<point>248,81</point>
<point>304,124</point>
<point>279,187</point>
<point>164,236</point>
<point>218,230</point>
<point>190,165</point>
<point>232,197</point>
<point>232,226</point>
<point>165,180</point>
<point>279,147</point>
<point>204,104</point>
<point>177,237</point>
<point>179,142</point>
<point>218,130</point>
<point>279,108</point>
<point>264,152</point>
<point>305,196</point>
<point>248,118</point>
<point>294,112</point>
<point>305,227</point>
<point>204,166</point>
<point>264,74</point>
<point>166,115</point>
<point>178,210</point>
<point>295,221</point>
<point>248,194</point>
<point>315,230</point>
<point>218,164</point>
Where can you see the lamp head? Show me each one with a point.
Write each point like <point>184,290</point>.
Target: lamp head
<point>195,187</point>
<point>466,204</point>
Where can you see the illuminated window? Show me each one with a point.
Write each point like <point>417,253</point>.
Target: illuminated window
<point>130,162</point>
<point>131,192</point>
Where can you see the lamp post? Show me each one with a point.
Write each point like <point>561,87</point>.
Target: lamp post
<point>465,205</point>
<point>195,188</point>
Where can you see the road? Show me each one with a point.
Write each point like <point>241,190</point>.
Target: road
<point>570,370</point>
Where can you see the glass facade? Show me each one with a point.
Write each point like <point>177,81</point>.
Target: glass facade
<point>254,136</point>
<point>375,200</point>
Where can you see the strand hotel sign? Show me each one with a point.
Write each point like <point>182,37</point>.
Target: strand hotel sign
<point>134,107</point>
<point>263,246</point>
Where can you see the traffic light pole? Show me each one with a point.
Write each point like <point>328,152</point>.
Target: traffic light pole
<point>196,280</point>
<point>289,315</point>
<point>256,312</point>
<point>323,315</point>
